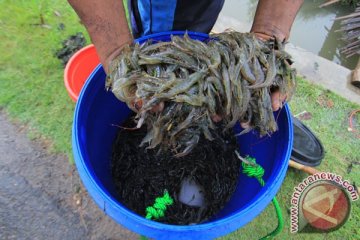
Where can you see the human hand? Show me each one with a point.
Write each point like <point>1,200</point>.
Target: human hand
<point>274,19</point>
<point>266,64</point>
<point>277,99</point>
<point>107,26</point>
<point>277,102</point>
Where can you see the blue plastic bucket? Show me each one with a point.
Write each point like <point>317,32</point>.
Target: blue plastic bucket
<point>93,134</point>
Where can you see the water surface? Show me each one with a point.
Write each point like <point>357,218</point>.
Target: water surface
<point>314,28</point>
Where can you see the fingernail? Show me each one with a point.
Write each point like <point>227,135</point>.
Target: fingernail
<point>138,104</point>
<point>216,118</point>
<point>275,106</point>
<point>245,124</point>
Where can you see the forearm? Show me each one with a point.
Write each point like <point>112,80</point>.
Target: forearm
<point>106,24</point>
<point>275,17</point>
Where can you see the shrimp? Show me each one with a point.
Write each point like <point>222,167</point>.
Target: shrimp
<point>201,86</point>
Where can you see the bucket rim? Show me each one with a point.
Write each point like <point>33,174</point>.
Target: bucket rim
<point>91,181</point>
<point>95,187</point>
<point>67,69</point>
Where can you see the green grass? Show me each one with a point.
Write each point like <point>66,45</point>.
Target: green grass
<point>31,78</point>
<point>32,93</point>
<point>330,124</point>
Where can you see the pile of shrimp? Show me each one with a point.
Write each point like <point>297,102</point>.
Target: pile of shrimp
<point>232,75</point>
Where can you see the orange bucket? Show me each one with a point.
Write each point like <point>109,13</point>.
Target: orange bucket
<point>78,69</point>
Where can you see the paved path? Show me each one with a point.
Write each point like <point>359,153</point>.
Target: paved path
<point>41,196</point>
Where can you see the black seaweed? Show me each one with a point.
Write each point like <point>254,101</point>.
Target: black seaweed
<point>141,175</point>
<point>70,46</point>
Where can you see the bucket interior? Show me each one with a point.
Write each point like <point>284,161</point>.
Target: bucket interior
<point>98,111</point>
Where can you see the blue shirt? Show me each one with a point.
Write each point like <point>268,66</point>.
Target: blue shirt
<point>152,16</point>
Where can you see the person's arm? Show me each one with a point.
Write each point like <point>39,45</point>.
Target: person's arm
<point>106,24</point>
<point>274,18</point>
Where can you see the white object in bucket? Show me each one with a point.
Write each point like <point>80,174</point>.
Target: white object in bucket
<point>191,193</point>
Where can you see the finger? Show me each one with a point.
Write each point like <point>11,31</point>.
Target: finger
<point>245,125</point>
<point>262,36</point>
<point>275,103</point>
<point>158,107</point>
<point>277,100</point>
<point>216,118</point>
<point>138,104</point>
<point>135,104</point>
<point>283,98</point>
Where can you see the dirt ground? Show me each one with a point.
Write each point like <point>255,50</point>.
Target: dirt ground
<point>42,197</point>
